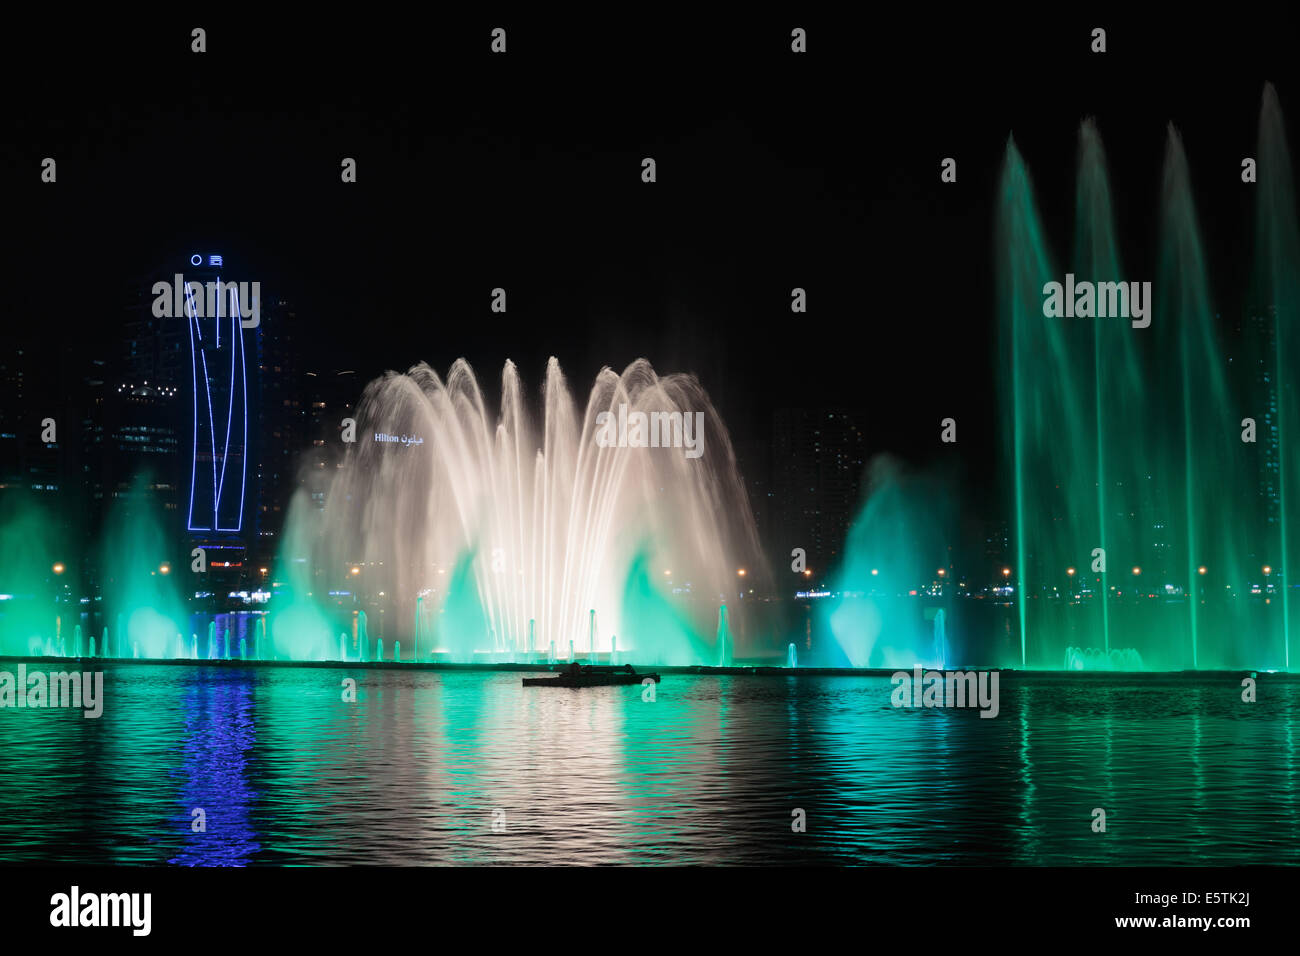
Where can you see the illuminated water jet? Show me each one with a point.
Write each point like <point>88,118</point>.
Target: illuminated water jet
<point>504,530</point>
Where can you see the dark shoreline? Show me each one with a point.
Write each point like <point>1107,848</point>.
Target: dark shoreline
<point>703,670</point>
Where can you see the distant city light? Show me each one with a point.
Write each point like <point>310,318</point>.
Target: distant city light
<point>58,567</point>
<point>1267,569</point>
<point>164,568</point>
<point>1006,572</point>
<point>1137,570</point>
<point>1201,569</point>
<point>874,572</point>
<point>942,572</point>
<point>1070,571</point>
<point>356,570</point>
<point>741,572</point>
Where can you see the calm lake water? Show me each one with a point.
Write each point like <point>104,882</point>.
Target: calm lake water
<point>424,764</point>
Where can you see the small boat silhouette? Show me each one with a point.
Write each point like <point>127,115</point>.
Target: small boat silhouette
<point>579,675</point>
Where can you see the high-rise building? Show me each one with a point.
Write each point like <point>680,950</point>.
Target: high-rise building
<point>331,397</point>
<point>25,461</point>
<point>188,378</point>
<point>281,433</point>
<point>36,431</point>
<point>818,459</point>
<point>218,485</point>
<point>130,433</point>
<point>1253,365</point>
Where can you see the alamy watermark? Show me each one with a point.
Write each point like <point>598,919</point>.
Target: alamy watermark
<point>1086,300</point>
<point>37,689</point>
<point>946,689</point>
<point>651,430</point>
<point>75,908</point>
<point>209,300</point>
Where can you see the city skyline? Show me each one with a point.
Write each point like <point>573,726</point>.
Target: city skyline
<point>735,439</point>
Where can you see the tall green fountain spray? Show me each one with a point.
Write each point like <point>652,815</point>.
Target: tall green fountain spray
<point>299,627</point>
<point>1131,467</point>
<point>1216,487</point>
<point>138,582</point>
<point>27,576</point>
<point>653,626</point>
<point>1116,376</point>
<point>1276,290</point>
<point>898,538</point>
<point>1033,352</point>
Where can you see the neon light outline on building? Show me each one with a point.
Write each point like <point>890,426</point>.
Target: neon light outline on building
<point>198,356</point>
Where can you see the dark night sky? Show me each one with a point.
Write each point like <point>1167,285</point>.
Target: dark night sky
<point>522,171</point>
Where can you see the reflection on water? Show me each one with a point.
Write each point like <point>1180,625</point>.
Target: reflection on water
<point>470,768</point>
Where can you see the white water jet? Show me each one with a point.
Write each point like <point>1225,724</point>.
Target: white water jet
<point>499,528</point>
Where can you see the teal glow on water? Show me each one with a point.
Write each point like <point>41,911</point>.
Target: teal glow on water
<point>710,772</point>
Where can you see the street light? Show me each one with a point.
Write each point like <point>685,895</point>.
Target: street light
<point>1070,571</point>
<point>1137,570</point>
<point>58,567</point>
<point>741,572</point>
<point>1201,569</point>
